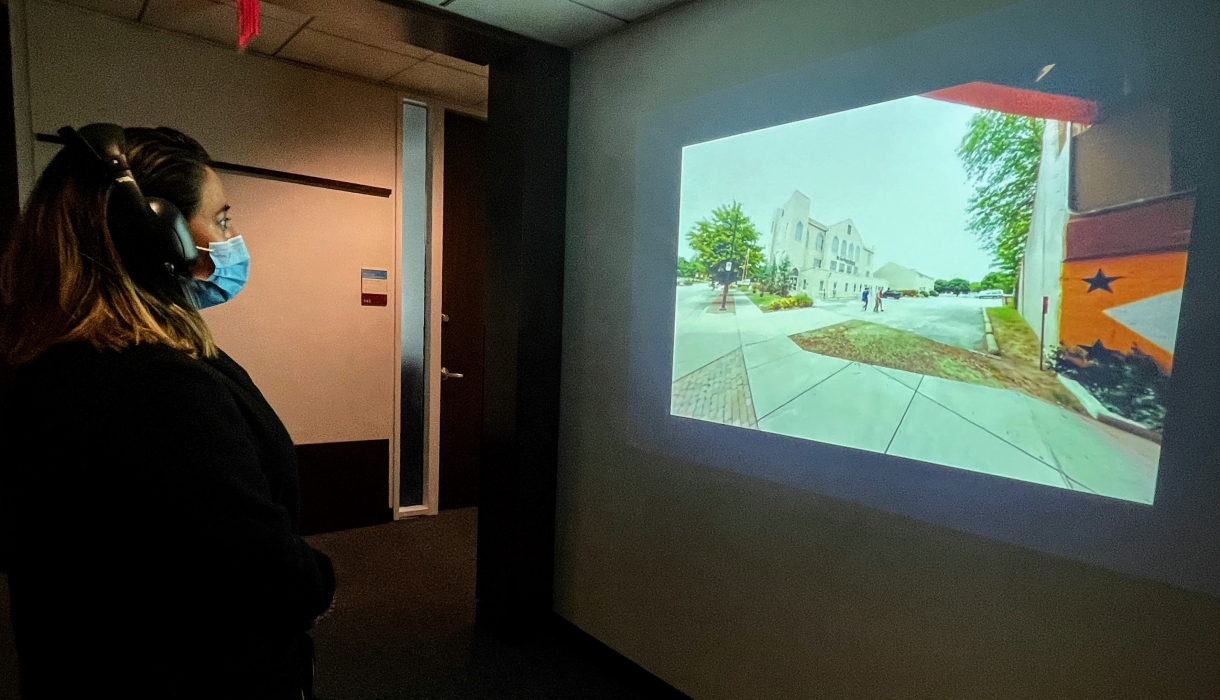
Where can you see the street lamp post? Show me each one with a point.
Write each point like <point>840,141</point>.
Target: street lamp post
<point>728,265</point>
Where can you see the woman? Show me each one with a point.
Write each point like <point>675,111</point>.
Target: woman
<point>153,494</point>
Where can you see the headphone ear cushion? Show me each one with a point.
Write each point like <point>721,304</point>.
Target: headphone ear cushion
<point>171,236</point>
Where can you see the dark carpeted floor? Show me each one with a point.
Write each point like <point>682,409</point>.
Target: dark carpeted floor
<point>403,626</point>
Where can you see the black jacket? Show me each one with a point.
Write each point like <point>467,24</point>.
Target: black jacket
<point>153,504</point>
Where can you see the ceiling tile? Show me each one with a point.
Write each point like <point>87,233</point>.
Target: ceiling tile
<point>459,86</point>
<point>218,22</point>
<point>354,33</point>
<point>329,51</point>
<point>127,9</point>
<point>629,10</point>
<point>558,22</point>
<point>458,63</point>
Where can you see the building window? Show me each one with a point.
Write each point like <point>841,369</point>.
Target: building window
<point>834,246</point>
<point>799,228</point>
<point>804,284</point>
<point>835,290</point>
<point>821,240</point>
<point>821,285</point>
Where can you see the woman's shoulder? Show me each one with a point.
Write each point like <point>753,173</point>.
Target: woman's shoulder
<point>79,368</point>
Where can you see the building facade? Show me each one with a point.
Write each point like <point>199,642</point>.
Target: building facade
<point>1108,241</point>
<point>905,279</point>
<point>828,261</point>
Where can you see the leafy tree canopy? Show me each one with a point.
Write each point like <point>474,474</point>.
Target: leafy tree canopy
<point>998,280</point>
<point>957,285</point>
<point>691,269</point>
<point>727,235</point>
<point>1000,153</point>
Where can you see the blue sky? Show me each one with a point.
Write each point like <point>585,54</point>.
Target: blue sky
<point>890,167</point>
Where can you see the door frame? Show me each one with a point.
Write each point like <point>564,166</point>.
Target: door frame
<point>433,272</point>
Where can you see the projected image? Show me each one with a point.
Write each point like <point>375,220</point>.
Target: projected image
<point>983,277</point>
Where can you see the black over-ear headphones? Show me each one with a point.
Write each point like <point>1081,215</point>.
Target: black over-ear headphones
<point>150,233</point>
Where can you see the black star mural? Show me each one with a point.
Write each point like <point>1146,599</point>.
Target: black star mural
<point>1100,281</point>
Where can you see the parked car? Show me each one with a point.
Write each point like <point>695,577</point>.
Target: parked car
<point>891,294</point>
<point>991,294</point>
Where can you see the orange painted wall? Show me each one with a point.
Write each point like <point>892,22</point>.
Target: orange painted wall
<point>1082,317</point>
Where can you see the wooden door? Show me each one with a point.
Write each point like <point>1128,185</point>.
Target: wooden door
<point>465,233</point>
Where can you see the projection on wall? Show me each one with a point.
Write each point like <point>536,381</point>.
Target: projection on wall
<point>981,277</point>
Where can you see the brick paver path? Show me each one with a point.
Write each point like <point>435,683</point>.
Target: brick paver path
<point>719,391</point>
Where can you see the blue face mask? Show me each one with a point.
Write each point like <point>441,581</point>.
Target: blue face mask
<point>232,262</point>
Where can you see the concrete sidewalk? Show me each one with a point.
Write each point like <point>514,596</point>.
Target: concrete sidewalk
<point>780,388</point>
<point>979,428</point>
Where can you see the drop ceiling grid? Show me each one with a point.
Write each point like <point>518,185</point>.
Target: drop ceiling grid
<point>319,43</point>
<point>561,22</point>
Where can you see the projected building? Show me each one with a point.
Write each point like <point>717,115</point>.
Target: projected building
<point>1107,245</point>
<point>1105,256</point>
<point>905,279</point>
<point>828,261</point>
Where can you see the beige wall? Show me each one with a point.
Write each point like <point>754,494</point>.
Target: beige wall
<point>325,362</point>
<point>1121,159</point>
<point>732,587</point>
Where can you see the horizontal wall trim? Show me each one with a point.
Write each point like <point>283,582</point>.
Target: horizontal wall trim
<point>268,174</point>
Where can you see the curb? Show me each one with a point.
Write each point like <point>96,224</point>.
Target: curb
<point>989,340</point>
<point>1104,415</point>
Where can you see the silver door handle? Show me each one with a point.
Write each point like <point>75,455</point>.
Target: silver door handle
<point>446,374</point>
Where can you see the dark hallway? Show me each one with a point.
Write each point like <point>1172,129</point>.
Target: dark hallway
<point>403,626</point>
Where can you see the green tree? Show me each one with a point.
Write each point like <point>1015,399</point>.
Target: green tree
<point>690,269</point>
<point>783,280</point>
<point>727,235</point>
<point>998,280</point>
<point>761,273</point>
<point>957,285</point>
<point>1000,153</point>
<point>941,286</point>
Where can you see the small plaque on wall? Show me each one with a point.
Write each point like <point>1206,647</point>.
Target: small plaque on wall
<point>374,287</point>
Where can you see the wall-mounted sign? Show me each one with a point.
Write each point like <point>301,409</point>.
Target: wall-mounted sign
<point>374,287</point>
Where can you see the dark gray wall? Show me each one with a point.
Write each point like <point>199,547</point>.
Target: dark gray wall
<point>729,587</point>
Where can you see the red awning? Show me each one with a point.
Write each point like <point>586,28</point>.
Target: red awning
<point>1028,103</point>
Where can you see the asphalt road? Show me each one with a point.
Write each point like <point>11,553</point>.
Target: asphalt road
<point>945,319</point>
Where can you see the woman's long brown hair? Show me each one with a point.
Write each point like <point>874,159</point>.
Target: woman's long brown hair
<point>61,277</point>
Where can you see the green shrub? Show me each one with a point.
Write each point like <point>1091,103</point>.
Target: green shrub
<point>1130,384</point>
<point>933,293</point>
<point>800,301</point>
<point>923,293</point>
